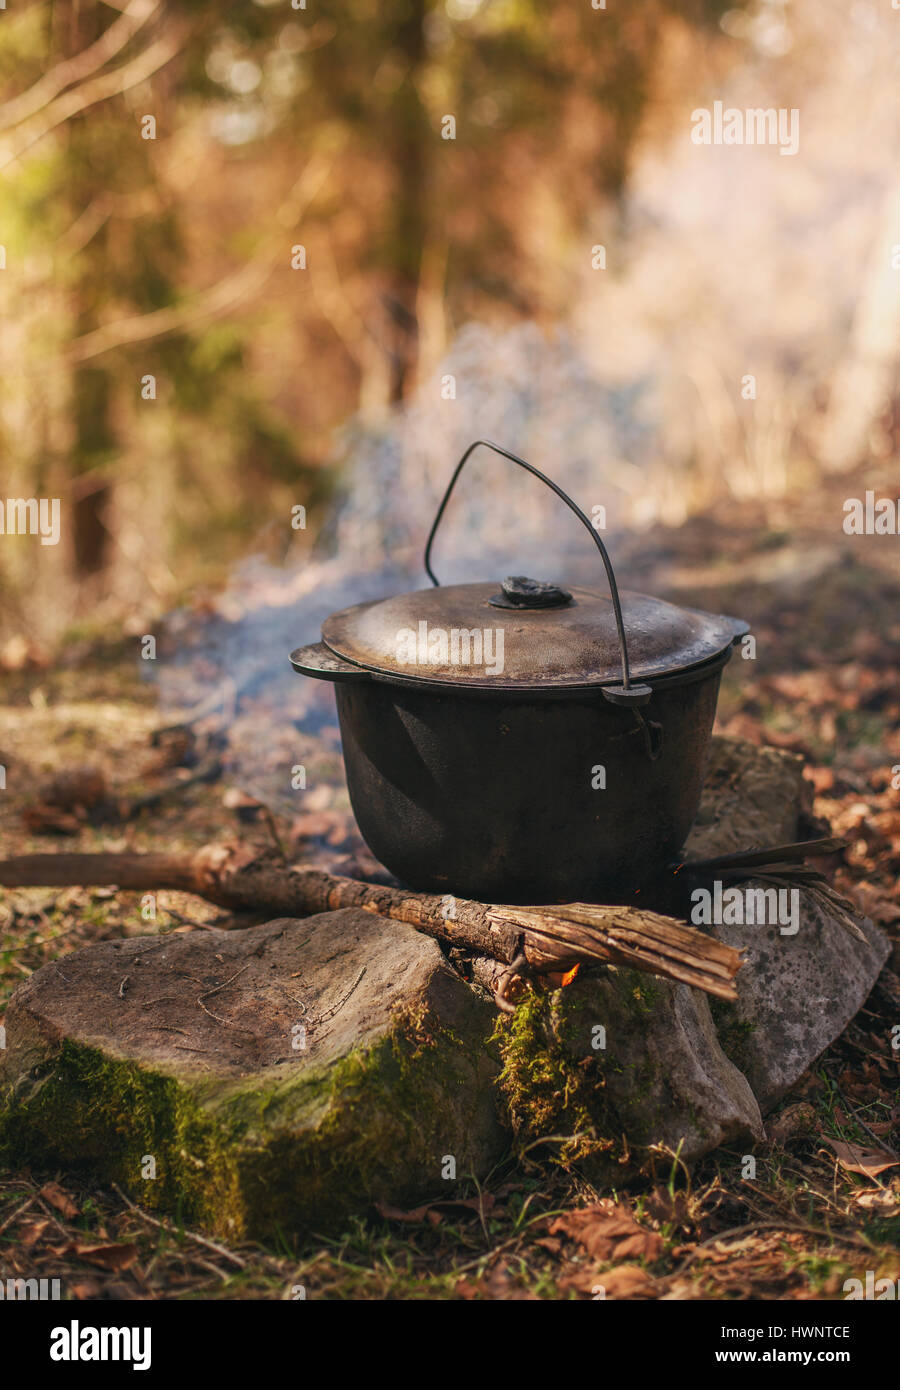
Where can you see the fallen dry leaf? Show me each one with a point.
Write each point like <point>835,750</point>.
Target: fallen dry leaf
<point>86,1288</point>
<point>41,819</point>
<point>681,1290</point>
<point>333,826</point>
<point>794,1122</point>
<point>608,1232</point>
<point>880,1127</point>
<point>626,1281</point>
<point>642,1245</point>
<point>432,1211</point>
<point>245,806</point>
<point>54,1195</point>
<point>883,1200</point>
<point>30,1232</point>
<point>116,1257</point>
<point>855,1159</point>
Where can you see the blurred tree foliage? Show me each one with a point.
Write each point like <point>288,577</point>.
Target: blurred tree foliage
<point>130,258</point>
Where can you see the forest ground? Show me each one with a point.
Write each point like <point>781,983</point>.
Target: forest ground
<point>825,609</point>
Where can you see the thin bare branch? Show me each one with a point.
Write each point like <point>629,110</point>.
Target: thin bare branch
<point>219,298</point>
<point>108,84</point>
<point>80,67</point>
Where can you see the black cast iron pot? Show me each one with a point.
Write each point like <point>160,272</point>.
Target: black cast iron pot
<point>523,742</point>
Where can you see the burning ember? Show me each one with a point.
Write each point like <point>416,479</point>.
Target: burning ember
<point>559,979</point>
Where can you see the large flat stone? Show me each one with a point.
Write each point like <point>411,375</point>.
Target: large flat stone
<point>177,1054</point>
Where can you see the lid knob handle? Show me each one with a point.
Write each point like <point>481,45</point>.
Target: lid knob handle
<point>519,592</point>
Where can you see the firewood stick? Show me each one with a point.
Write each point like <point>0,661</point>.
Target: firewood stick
<point>795,853</point>
<point>553,938</point>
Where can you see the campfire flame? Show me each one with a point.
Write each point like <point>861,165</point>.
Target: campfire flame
<point>570,974</point>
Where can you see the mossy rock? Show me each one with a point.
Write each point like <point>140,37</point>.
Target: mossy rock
<point>616,1063</point>
<point>185,1055</point>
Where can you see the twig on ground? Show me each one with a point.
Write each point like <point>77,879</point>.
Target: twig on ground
<point>166,1226</point>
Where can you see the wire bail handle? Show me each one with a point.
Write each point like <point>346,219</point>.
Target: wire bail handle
<point>624,694</point>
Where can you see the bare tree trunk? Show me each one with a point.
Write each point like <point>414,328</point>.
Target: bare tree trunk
<point>92,441</point>
<point>407,144</point>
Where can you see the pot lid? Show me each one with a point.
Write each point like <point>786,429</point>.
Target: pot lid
<point>524,635</point>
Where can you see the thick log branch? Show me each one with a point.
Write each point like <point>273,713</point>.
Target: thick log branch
<point>552,938</point>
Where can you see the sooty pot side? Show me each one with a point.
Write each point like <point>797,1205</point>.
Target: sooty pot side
<point>494,798</point>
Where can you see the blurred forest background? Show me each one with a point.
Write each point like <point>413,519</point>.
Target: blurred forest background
<point>296,292</point>
<point>426,260</point>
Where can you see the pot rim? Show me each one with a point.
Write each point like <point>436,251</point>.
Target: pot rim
<point>323,663</point>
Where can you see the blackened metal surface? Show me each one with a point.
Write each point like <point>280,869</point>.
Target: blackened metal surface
<point>523,800</point>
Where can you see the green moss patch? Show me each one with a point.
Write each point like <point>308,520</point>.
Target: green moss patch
<point>549,1093</point>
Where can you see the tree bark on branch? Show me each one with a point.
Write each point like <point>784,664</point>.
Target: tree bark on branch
<point>552,938</point>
